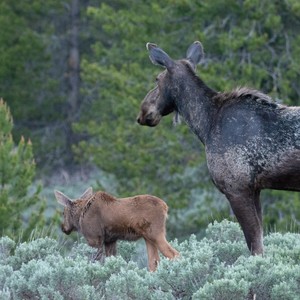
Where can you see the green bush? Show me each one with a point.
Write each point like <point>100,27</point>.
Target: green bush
<point>218,266</point>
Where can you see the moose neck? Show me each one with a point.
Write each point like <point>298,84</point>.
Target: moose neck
<point>195,105</point>
<point>78,212</point>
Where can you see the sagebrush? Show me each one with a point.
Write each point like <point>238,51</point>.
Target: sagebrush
<point>218,266</point>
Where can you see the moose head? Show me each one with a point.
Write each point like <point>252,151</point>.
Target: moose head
<point>160,101</point>
<point>70,213</point>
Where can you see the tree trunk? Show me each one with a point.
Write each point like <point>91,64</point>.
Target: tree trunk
<point>73,98</point>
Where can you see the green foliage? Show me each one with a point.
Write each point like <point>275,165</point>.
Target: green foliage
<point>210,268</point>
<point>252,43</point>
<point>281,210</point>
<point>17,170</point>
<point>33,73</point>
<point>24,59</point>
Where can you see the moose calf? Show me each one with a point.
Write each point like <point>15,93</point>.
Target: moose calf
<point>104,219</point>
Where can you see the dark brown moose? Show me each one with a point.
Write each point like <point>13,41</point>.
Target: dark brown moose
<point>251,143</point>
<point>103,219</point>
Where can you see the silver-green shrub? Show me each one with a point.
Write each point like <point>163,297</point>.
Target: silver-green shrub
<point>36,249</point>
<point>7,245</point>
<point>223,289</point>
<point>5,295</point>
<point>218,266</point>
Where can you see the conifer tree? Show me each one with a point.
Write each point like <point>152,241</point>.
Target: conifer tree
<point>17,170</point>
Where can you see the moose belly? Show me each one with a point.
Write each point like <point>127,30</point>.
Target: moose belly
<point>126,234</point>
<point>285,175</point>
<point>239,167</point>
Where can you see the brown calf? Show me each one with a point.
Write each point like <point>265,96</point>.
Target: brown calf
<point>104,219</point>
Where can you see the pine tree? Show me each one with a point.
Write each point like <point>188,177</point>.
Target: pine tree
<point>17,170</point>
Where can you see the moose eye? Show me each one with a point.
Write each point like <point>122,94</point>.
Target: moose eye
<point>156,79</point>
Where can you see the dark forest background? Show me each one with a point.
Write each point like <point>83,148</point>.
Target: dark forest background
<point>73,74</point>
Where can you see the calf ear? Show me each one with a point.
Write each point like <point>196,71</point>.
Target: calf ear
<point>159,57</point>
<point>87,194</point>
<point>195,53</point>
<point>62,199</point>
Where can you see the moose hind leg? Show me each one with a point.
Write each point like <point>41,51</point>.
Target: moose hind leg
<point>165,248</point>
<point>247,211</point>
<point>258,207</point>
<point>153,257</point>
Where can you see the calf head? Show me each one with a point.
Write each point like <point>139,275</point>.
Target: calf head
<point>161,100</point>
<point>71,209</point>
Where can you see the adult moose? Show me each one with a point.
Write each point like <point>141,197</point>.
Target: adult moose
<point>251,143</point>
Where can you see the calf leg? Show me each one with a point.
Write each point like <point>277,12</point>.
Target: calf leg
<point>165,248</point>
<point>111,249</point>
<point>100,253</point>
<point>247,210</point>
<point>153,257</point>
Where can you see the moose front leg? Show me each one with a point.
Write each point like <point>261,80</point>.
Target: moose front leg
<point>247,210</point>
<point>153,257</point>
<point>97,243</point>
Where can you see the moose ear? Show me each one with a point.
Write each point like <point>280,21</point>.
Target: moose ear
<point>87,194</point>
<point>195,53</point>
<point>62,199</point>
<point>159,57</point>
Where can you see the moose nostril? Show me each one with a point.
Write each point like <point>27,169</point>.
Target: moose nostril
<point>138,120</point>
<point>149,117</point>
